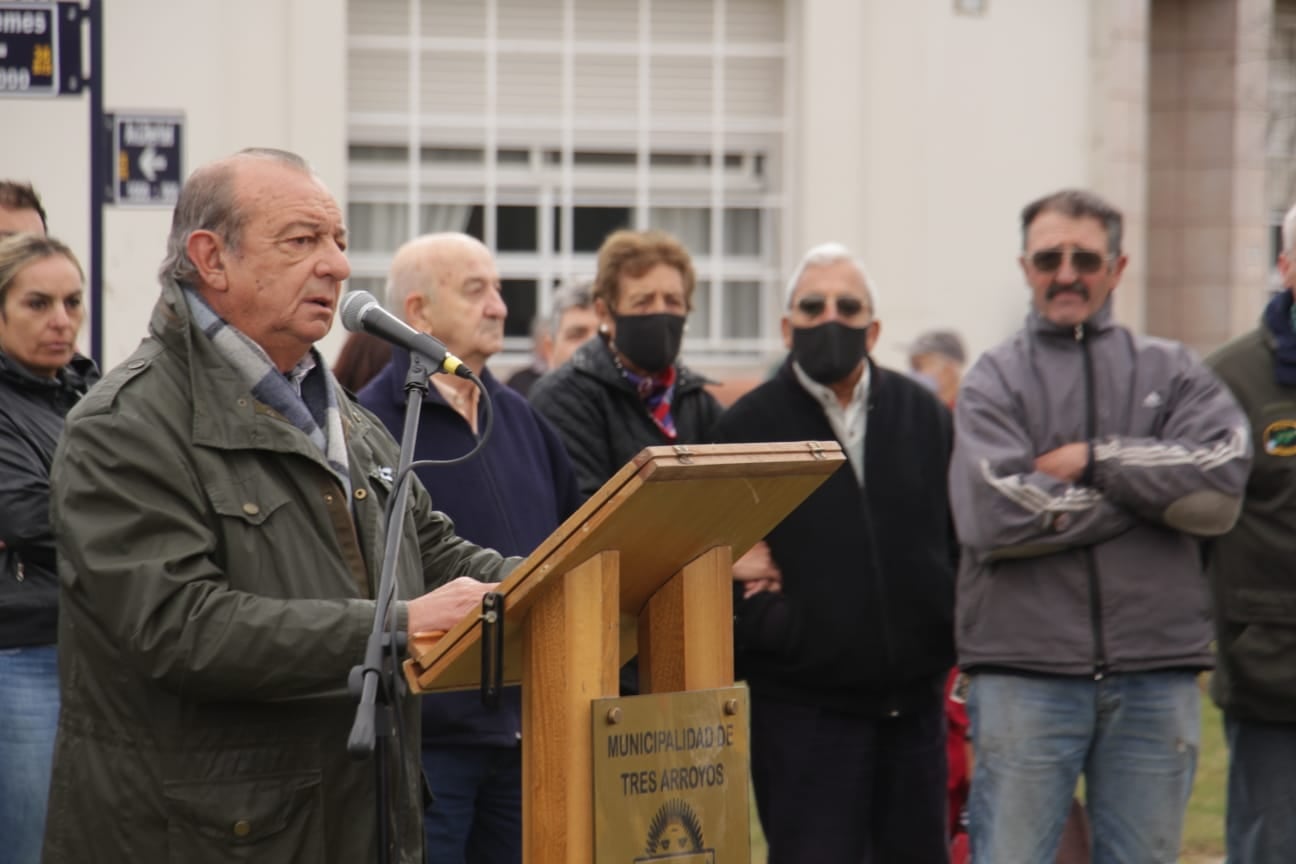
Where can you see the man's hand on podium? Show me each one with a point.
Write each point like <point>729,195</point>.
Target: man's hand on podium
<point>446,606</point>
<point>757,571</point>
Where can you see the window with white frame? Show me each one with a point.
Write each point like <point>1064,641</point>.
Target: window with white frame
<point>540,126</point>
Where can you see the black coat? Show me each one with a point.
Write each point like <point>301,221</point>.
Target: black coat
<point>865,619</point>
<point>602,420</point>
<point>31,420</point>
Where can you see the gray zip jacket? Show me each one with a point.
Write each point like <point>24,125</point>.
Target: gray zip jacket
<point>1103,575</point>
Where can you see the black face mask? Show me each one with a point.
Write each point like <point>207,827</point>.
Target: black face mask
<point>830,351</point>
<point>651,342</point>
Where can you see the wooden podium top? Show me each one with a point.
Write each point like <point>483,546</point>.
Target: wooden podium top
<point>663,509</point>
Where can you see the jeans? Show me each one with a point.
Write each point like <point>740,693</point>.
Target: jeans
<point>29,704</point>
<point>1261,821</point>
<point>1135,737</point>
<point>837,787</point>
<point>476,817</point>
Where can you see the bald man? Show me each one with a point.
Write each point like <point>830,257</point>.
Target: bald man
<point>510,497</point>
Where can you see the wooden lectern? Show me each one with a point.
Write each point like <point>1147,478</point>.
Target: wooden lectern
<point>649,553</point>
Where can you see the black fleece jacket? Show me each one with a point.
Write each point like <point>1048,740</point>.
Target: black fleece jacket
<point>865,619</point>
<point>32,409</point>
<point>602,420</point>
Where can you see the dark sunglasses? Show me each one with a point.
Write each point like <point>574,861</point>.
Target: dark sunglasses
<point>812,306</point>
<point>1084,261</point>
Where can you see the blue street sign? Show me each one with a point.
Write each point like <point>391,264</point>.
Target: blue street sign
<point>147,159</point>
<point>40,49</point>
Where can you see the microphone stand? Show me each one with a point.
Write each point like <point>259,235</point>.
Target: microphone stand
<point>375,721</point>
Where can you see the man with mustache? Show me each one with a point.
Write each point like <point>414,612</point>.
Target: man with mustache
<point>509,497</point>
<point>1089,463</point>
<point>843,627</point>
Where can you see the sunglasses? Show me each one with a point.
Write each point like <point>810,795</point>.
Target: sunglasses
<point>813,305</point>
<point>1084,261</point>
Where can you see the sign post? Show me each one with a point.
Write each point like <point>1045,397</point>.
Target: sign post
<point>40,56</point>
<point>135,159</point>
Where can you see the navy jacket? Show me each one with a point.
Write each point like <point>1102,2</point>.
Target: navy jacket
<point>509,497</point>
<point>864,621</point>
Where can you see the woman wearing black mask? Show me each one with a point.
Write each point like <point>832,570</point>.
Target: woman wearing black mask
<point>626,390</point>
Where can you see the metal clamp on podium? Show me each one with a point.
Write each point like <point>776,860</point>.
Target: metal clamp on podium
<point>492,649</point>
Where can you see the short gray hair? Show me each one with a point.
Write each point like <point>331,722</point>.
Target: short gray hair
<point>579,295</point>
<point>830,253</point>
<point>208,203</point>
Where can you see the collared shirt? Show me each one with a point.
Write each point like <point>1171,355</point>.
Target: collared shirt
<point>848,423</point>
<point>298,373</point>
<point>462,399</point>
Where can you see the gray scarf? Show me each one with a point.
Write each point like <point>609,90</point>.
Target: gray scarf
<point>315,411</point>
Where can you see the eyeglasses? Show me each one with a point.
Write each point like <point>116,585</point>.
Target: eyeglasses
<point>1084,261</point>
<point>813,305</point>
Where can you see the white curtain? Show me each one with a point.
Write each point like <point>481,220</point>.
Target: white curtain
<point>435,218</point>
<point>377,227</point>
<point>691,225</point>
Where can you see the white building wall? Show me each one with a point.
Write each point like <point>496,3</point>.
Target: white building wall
<point>243,72</point>
<point>923,133</point>
<point>917,135</point>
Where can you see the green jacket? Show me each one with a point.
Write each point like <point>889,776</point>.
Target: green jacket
<point>215,591</point>
<point>1252,569</point>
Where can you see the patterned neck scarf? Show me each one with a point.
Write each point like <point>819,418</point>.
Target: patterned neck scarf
<point>307,401</point>
<point>656,392</point>
<point>1280,318</point>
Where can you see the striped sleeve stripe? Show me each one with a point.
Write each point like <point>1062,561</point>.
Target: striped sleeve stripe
<point>1162,455</point>
<point>1036,500</point>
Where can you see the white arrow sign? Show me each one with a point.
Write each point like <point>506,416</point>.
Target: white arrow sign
<point>150,162</point>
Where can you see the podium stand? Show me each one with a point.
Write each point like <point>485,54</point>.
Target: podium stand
<point>643,566</point>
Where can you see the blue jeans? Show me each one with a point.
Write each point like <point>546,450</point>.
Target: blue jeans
<point>1135,738</point>
<point>1261,822</point>
<point>29,704</point>
<point>476,817</point>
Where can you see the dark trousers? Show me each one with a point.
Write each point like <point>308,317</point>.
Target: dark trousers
<point>476,817</point>
<point>1261,823</point>
<point>850,789</point>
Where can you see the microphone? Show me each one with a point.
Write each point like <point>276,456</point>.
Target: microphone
<point>361,312</point>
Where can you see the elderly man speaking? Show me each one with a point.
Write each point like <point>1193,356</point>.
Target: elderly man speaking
<point>218,507</point>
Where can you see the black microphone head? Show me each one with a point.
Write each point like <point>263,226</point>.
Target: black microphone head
<point>354,306</point>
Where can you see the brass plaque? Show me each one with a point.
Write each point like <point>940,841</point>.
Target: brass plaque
<point>670,778</point>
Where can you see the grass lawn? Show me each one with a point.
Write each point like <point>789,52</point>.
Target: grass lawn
<point>1203,840</point>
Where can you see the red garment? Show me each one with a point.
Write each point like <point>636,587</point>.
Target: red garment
<point>960,777</point>
<point>960,849</point>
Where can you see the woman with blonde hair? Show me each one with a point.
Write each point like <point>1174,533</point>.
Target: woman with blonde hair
<point>41,377</point>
